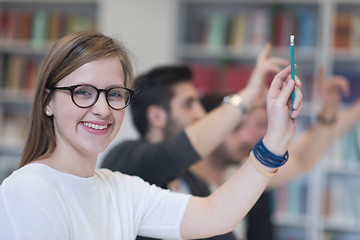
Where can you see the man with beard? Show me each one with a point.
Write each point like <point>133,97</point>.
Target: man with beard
<point>175,133</point>
<point>305,151</point>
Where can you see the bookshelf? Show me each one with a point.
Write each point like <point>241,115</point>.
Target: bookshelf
<point>220,41</point>
<point>27,30</point>
<point>340,216</point>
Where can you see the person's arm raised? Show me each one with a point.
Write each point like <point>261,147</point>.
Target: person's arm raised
<point>222,210</point>
<point>311,145</point>
<point>207,133</point>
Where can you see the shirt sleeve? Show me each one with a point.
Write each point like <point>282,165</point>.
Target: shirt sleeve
<point>160,212</point>
<point>157,163</point>
<point>30,210</point>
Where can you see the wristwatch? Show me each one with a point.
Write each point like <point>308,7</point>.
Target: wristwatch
<point>237,101</point>
<point>321,119</point>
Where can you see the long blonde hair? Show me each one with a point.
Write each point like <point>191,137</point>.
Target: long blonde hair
<point>66,55</point>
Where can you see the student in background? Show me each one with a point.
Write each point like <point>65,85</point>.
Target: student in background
<point>77,111</point>
<point>305,151</point>
<point>175,133</point>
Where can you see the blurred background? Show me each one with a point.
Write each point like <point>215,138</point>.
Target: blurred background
<point>220,40</point>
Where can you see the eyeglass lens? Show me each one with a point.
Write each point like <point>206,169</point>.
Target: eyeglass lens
<point>86,96</point>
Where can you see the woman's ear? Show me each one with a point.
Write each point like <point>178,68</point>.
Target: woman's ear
<point>156,116</point>
<point>47,108</point>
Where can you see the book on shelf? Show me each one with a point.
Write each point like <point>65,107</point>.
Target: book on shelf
<point>336,160</point>
<point>3,73</point>
<point>32,68</point>
<point>55,26</point>
<point>39,28</point>
<point>290,200</point>
<point>306,76</point>
<point>204,78</point>
<point>280,203</point>
<point>235,78</point>
<point>289,234</point>
<point>342,202</point>
<point>41,25</point>
<point>343,30</point>
<point>305,28</point>
<point>355,36</point>
<point>18,72</point>
<point>326,236</point>
<point>343,26</point>
<point>224,80</point>
<point>283,28</point>
<point>217,31</point>
<point>339,235</point>
<point>345,152</point>
<point>2,19</point>
<point>15,73</point>
<point>251,28</point>
<point>300,22</point>
<point>11,24</point>
<point>76,22</point>
<point>1,70</point>
<point>1,124</point>
<point>14,128</point>
<point>24,26</point>
<point>294,197</point>
<point>258,28</point>
<point>237,30</point>
<point>350,149</point>
<point>195,29</point>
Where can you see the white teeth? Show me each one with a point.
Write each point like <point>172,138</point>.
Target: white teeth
<point>94,126</point>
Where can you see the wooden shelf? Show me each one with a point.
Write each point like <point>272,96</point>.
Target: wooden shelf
<point>244,53</point>
<point>13,46</point>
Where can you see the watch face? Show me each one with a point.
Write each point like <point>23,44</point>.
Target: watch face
<point>237,101</point>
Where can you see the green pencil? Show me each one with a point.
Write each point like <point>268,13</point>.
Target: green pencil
<point>292,38</point>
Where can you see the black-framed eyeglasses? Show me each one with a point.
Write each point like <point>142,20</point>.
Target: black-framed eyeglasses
<point>85,96</point>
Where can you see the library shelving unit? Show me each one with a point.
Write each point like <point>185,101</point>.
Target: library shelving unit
<point>220,40</point>
<point>340,208</point>
<point>27,30</point>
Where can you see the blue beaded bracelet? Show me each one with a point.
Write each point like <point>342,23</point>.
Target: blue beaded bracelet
<point>267,158</point>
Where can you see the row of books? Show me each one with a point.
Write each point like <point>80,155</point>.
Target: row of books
<point>7,165</point>
<point>345,152</point>
<point>41,25</point>
<point>231,78</point>
<point>290,201</point>
<point>252,27</point>
<point>18,72</point>
<point>289,234</point>
<point>327,235</point>
<point>13,128</point>
<point>217,79</point>
<point>342,202</point>
<point>347,30</point>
